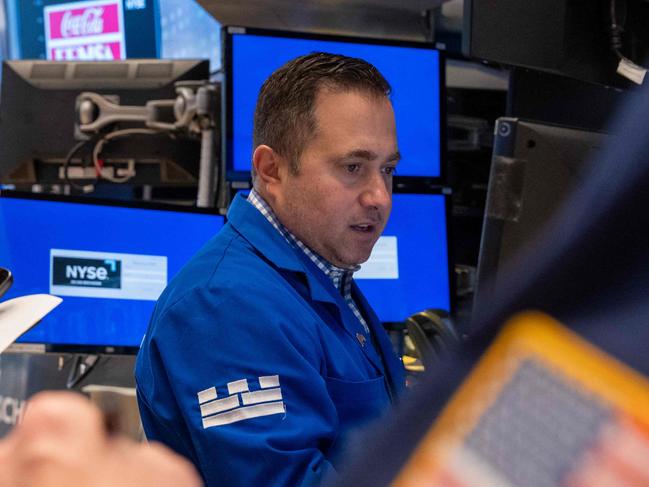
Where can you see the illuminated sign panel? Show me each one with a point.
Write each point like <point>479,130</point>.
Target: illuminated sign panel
<point>85,31</point>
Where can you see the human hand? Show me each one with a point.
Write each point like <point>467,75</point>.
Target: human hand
<point>62,440</point>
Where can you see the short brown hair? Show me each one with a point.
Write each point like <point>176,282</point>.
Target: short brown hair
<point>284,118</point>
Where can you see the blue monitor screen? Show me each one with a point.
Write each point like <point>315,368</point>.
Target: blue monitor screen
<point>413,73</point>
<point>108,263</point>
<point>408,270</point>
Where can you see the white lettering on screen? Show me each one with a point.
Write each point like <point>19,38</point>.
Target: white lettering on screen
<point>90,22</point>
<point>383,262</point>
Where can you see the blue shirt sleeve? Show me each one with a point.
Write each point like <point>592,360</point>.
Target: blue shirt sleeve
<point>239,386</point>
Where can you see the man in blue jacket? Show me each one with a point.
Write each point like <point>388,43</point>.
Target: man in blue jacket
<point>262,355</point>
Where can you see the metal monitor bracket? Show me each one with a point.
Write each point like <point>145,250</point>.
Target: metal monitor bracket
<point>193,108</point>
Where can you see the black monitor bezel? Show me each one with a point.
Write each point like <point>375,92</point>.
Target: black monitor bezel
<point>89,200</point>
<point>227,32</point>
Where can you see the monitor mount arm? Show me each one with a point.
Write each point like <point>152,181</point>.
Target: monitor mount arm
<point>194,110</point>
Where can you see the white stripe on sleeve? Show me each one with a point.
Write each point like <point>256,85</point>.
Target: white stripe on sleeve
<point>207,395</point>
<point>269,381</point>
<point>238,386</point>
<point>219,405</point>
<point>240,414</point>
<point>265,395</point>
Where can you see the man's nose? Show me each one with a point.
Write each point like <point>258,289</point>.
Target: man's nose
<point>377,192</point>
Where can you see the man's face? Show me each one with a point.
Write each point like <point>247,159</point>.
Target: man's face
<point>339,201</point>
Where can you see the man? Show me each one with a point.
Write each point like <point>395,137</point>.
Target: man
<point>262,355</point>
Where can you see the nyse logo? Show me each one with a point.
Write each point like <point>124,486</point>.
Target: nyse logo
<point>241,403</point>
<point>96,273</point>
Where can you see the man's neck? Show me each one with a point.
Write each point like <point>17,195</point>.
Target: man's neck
<point>258,200</point>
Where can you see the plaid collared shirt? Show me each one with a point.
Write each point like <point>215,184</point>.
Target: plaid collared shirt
<point>341,278</point>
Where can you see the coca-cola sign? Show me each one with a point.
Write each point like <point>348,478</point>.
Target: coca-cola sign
<point>92,30</point>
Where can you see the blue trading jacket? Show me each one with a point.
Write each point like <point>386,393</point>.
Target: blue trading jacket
<point>251,366</point>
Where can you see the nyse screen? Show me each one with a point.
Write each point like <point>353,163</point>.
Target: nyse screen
<point>109,264</point>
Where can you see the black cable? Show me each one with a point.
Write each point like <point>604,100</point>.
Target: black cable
<point>615,29</point>
<point>66,165</point>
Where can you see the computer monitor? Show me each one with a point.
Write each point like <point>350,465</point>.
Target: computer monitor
<point>568,37</point>
<point>109,261</point>
<point>415,71</point>
<point>37,120</point>
<point>534,168</point>
<point>410,268</point>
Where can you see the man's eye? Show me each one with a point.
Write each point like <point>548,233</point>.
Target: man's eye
<point>352,168</point>
<point>390,170</point>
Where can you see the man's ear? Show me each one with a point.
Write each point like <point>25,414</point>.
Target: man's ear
<point>268,168</point>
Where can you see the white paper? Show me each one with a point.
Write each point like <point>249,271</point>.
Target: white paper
<point>631,71</point>
<point>19,314</point>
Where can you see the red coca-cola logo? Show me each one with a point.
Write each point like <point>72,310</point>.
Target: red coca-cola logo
<point>89,22</point>
<point>65,21</point>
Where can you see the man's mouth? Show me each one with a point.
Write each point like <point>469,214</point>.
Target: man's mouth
<point>364,228</point>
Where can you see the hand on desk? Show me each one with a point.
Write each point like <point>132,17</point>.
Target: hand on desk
<point>62,441</point>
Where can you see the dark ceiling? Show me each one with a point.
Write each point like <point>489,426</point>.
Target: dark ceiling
<point>399,19</point>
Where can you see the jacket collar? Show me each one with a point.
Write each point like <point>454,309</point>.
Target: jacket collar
<point>254,227</point>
